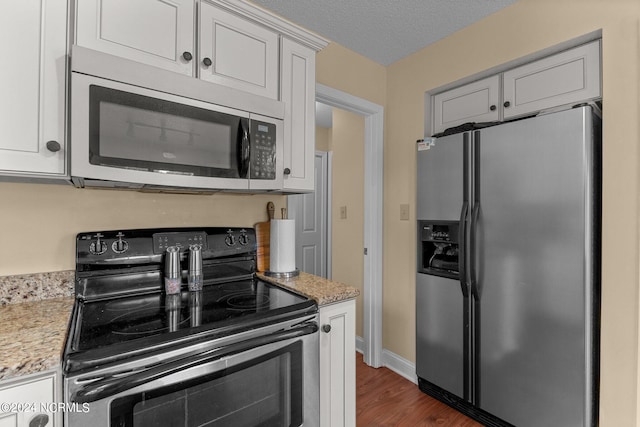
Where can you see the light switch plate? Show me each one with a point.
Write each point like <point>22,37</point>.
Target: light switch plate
<point>343,212</point>
<point>404,212</point>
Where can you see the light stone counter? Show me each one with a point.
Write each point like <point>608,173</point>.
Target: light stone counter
<point>323,291</point>
<point>36,287</point>
<point>32,335</point>
<point>34,316</point>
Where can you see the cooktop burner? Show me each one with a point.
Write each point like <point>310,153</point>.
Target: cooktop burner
<point>108,322</point>
<point>243,301</point>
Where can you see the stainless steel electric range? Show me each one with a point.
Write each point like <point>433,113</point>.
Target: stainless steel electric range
<point>239,352</point>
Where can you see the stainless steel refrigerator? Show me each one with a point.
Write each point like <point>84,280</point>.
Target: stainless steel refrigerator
<point>508,280</point>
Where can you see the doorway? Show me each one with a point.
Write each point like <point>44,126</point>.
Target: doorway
<point>371,345</point>
<point>312,212</point>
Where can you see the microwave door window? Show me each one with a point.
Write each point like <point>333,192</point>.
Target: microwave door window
<point>142,133</point>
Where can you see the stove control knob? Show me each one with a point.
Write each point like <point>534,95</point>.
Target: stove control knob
<point>243,238</point>
<point>120,246</point>
<point>230,240</point>
<point>99,246</point>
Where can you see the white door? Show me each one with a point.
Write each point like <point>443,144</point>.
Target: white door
<point>474,102</point>
<point>154,32</point>
<point>32,119</point>
<point>237,53</point>
<point>566,78</point>
<point>311,214</point>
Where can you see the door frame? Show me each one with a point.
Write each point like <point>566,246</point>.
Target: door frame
<point>373,206</point>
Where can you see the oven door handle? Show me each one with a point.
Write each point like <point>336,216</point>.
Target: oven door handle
<point>109,387</point>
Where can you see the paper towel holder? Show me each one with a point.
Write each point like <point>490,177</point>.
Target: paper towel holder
<point>285,275</point>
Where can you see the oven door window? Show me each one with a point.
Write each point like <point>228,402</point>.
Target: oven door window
<point>266,391</point>
<point>133,131</point>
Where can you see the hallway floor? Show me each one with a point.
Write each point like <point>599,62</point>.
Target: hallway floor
<point>386,399</point>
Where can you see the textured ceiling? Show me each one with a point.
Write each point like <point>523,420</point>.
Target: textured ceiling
<point>384,30</point>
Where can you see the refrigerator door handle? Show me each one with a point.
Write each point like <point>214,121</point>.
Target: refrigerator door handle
<point>473,283</point>
<point>462,242</point>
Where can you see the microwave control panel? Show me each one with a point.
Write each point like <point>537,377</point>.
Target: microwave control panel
<point>263,150</point>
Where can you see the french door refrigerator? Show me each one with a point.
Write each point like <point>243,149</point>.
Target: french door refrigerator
<point>508,280</point>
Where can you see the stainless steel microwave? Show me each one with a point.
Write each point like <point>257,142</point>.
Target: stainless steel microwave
<point>133,126</point>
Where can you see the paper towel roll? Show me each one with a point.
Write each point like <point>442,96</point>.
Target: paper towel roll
<point>282,246</point>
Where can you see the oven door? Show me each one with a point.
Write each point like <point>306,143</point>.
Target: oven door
<point>266,380</point>
<point>125,133</point>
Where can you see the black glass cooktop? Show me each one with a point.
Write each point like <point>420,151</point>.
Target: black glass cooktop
<point>155,317</point>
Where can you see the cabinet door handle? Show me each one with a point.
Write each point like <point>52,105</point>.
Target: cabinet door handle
<point>40,420</point>
<point>187,56</point>
<point>326,328</point>
<point>53,146</point>
<point>207,62</point>
<point>287,171</point>
<point>492,108</point>
<point>507,104</point>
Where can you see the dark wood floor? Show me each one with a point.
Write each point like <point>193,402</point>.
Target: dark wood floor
<point>384,398</point>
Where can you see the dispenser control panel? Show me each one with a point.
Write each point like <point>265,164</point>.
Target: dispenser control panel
<point>438,249</point>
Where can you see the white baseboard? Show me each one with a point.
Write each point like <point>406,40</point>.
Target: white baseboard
<point>397,364</point>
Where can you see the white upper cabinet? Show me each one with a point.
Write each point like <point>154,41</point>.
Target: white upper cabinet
<point>155,32</point>
<point>568,77</point>
<point>475,102</point>
<point>237,53</point>
<point>233,51</point>
<point>33,33</point>
<point>298,82</point>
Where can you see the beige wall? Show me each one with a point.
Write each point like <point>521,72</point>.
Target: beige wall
<point>39,222</point>
<point>347,235</point>
<point>345,70</point>
<point>524,28</point>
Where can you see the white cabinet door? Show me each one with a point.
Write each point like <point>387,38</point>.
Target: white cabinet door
<point>568,77</point>
<point>298,82</point>
<point>474,102</point>
<point>240,53</point>
<point>33,36</point>
<point>338,364</point>
<point>35,393</point>
<point>155,32</point>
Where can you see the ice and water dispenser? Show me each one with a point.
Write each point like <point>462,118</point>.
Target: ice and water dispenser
<point>438,248</point>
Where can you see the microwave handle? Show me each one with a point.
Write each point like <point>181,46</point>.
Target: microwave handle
<point>243,147</point>
<point>102,389</point>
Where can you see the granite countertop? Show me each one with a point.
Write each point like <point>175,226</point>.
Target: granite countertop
<point>32,335</point>
<point>34,314</point>
<point>323,291</point>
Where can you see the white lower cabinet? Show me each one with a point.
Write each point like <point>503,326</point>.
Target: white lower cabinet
<point>338,364</point>
<point>29,401</point>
